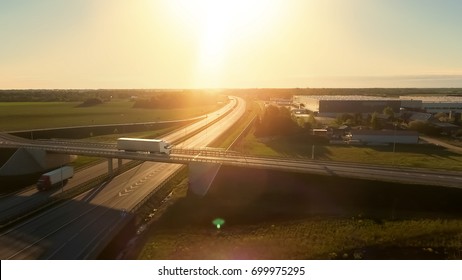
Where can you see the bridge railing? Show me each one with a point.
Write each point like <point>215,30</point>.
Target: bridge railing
<point>205,152</point>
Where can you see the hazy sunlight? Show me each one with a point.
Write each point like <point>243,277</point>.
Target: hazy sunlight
<point>230,43</point>
<point>222,29</point>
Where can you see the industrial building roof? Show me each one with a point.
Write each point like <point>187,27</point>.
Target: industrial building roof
<point>434,98</point>
<point>347,97</point>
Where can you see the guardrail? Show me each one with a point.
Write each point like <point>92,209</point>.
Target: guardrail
<point>205,152</point>
<point>202,128</point>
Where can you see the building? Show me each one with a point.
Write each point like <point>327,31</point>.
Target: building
<point>434,104</point>
<point>383,136</point>
<point>281,101</point>
<point>333,106</point>
<point>336,105</point>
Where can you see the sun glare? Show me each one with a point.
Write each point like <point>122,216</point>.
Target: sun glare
<point>221,29</point>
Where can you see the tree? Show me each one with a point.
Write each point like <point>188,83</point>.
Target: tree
<point>424,127</point>
<point>358,118</point>
<point>275,121</point>
<point>442,117</point>
<point>345,119</point>
<point>417,125</point>
<point>389,112</point>
<point>312,120</point>
<point>375,124</point>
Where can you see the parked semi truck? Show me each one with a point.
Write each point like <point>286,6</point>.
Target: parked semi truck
<point>156,146</point>
<point>54,178</point>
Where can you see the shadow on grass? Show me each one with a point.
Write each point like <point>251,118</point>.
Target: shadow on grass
<point>247,196</point>
<point>266,211</point>
<point>300,146</point>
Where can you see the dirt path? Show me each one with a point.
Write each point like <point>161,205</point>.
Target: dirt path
<point>442,144</point>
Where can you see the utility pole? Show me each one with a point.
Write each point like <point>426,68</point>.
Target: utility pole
<point>62,182</point>
<point>312,147</point>
<point>394,142</point>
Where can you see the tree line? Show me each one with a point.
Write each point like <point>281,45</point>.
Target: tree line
<point>179,100</point>
<point>61,95</point>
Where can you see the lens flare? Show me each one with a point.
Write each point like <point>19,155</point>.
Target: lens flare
<point>218,222</point>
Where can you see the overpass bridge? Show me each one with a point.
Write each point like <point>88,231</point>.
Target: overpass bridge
<point>230,158</point>
<point>95,216</point>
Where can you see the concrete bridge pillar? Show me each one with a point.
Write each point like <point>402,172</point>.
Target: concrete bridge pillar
<point>119,163</point>
<point>110,169</point>
<point>26,161</point>
<point>201,176</point>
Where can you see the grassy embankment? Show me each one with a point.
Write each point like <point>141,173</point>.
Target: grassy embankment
<point>270,216</point>
<point>424,156</point>
<point>315,238</point>
<point>35,115</point>
<point>276,215</point>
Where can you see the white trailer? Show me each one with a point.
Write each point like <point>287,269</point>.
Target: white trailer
<point>54,178</point>
<point>143,145</point>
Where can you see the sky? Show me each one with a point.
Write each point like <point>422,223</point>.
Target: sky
<point>81,44</point>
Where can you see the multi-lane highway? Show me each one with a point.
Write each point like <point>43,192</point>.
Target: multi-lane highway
<point>15,205</point>
<point>93,217</point>
<point>81,227</point>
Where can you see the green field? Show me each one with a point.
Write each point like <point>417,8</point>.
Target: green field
<point>276,215</point>
<point>33,115</point>
<point>424,156</point>
<point>315,238</point>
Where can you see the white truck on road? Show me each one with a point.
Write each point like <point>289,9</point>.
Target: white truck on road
<point>155,146</point>
<point>55,178</point>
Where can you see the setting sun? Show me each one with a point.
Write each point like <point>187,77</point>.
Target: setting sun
<point>229,44</point>
<point>222,29</point>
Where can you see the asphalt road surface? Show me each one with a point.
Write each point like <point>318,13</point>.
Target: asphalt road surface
<point>79,228</point>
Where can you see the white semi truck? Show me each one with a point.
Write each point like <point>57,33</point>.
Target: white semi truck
<point>155,146</point>
<point>55,178</point>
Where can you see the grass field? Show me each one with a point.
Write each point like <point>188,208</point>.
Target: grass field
<point>425,156</point>
<point>32,115</point>
<point>315,238</point>
<point>276,215</point>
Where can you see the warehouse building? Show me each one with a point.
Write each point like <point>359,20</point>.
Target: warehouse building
<point>434,104</point>
<point>332,106</point>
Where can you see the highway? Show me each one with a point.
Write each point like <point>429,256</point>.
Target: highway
<point>23,201</point>
<point>14,205</point>
<point>79,228</point>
